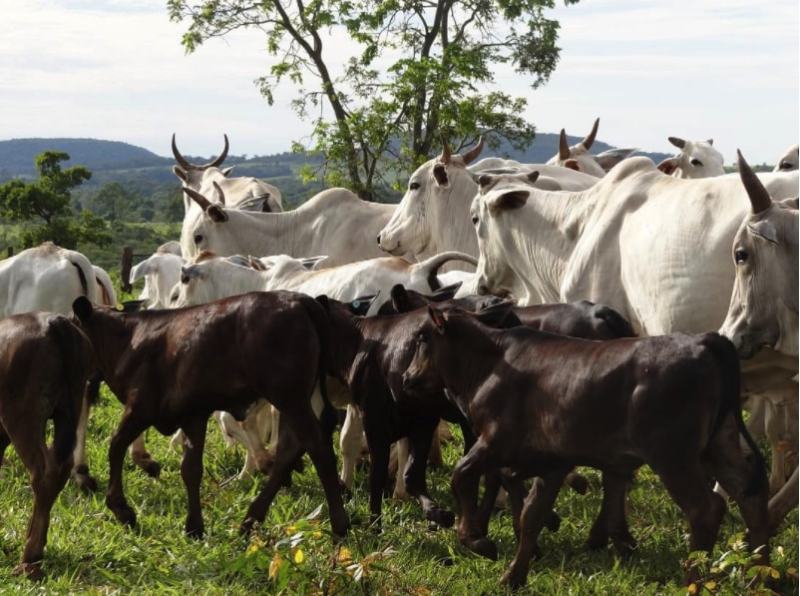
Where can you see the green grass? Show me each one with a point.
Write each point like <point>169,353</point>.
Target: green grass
<point>89,552</point>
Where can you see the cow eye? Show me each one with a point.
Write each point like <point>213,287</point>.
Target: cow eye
<point>740,256</point>
<point>474,220</point>
<point>198,238</point>
<point>696,163</point>
<point>413,186</point>
<point>785,165</point>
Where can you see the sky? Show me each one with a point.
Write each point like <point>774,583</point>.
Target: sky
<point>115,69</point>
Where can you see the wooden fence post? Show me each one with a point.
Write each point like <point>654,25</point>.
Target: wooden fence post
<point>125,269</point>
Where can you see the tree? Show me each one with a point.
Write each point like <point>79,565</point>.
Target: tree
<point>414,76</point>
<point>44,205</point>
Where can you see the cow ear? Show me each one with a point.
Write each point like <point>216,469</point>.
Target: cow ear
<point>668,166</point>
<point>226,171</point>
<point>217,213</point>
<point>572,164</point>
<point>180,173</point>
<point>82,308</point>
<point>512,199</point>
<point>533,176</point>
<point>440,175</point>
<point>764,229</point>
<point>438,319</point>
<point>485,180</point>
<point>323,300</point>
<point>400,299</point>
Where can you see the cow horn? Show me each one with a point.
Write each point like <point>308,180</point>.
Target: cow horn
<point>471,154</point>
<point>214,163</point>
<point>759,197</point>
<point>445,157</point>
<point>198,198</point>
<point>563,146</point>
<point>679,143</point>
<point>220,194</point>
<point>589,139</point>
<point>180,158</point>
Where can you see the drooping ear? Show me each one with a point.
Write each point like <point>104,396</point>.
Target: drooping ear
<point>312,262</point>
<point>256,264</point>
<point>511,199</point>
<point>765,230</point>
<point>440,175</point>
<point>572,164</point>
<point>217,213</point>
<point>485,181</point>
<point>438,319</point>
<point>400,299</point>
<point>499,315</point>
<point>82,307</point>
<point>608,159</point>
<point>187,273</point>
<point>226,171</point>
<point>180,173</point>
<point>668,166</point>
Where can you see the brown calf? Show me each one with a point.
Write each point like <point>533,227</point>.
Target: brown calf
<point>45,362</point>
<point>171,369</point>
<point>542,403</point>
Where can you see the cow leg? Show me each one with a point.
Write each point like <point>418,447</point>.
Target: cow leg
<point>288,451</point>
<point>744,479</point>
<point>419,440</point>
<point>251,426</point>
<point>5,441</point>
<point>129,428</point>
<point>379,447</point>
<point>538,505</point>
<point>465,484</point>
<point>687,484</point>
<point>192,472</point>
<point>80,471</point>
<point>142,458</point>
<point>350,444</point>
<point>401,455</point>
<point>782,503</point>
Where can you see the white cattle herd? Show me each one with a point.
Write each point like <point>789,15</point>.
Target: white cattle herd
<point>675,247</point>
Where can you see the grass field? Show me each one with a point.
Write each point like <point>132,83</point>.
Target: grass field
<point>89,552</point>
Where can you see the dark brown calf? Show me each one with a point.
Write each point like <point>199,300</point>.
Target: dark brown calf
<point>542,404</point>
<point>171,369</point>
<point>45,362</point>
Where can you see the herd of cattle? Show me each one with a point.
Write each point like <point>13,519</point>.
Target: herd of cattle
<point>563,314</point>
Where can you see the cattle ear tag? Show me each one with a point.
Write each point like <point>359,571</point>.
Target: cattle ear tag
<point>764,229</point>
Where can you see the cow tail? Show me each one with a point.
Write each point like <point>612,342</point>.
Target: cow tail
<point>731,402</point>
<point>318,312</point>
<point>74,366</point>
<point>616,323</point>
<point>85,274</point>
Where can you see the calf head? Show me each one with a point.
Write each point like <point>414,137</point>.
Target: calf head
<point>764,309</point>
<point>697,159</point>
<point>429,203</point>
<point>577,157</point>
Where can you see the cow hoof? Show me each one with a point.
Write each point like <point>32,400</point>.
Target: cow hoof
<point>624,546</point>
<point>247,527</point>
<point>483,547</point>
<point>597,540</point>
<point>553,522</point>
<point>86,483</point>
<point>152,468</point>
<point>513,578</point>
<point>125,515</point>
<point>195,532</point>
<point>33,571</point>
<point>441,517</point>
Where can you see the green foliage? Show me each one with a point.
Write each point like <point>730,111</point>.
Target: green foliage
<point>415,76</point>
<point>44,206</point>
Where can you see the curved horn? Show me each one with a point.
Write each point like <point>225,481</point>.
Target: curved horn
<point>563,146</point>
<point>218,160</point>
<point>471,154</point>
<point>178,157</point>
<point>589,139</point>
<point>198,198</point>
<point>759,197</point>
<point>430,267</point>
<point>679,143</point>
<point>220,194</point>
<point>445,157</point>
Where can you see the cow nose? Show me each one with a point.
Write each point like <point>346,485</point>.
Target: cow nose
<point>379,239</point>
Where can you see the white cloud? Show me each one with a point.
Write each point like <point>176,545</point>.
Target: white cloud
<point>116,69</point>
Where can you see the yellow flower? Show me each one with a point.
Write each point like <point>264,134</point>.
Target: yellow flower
<point>692,589</point>
<point>317,534</point>
<point>275,566</point>
<point>345,557</point>
<point>299,557</point>
<point>291,530</point>
<point>710,586</point>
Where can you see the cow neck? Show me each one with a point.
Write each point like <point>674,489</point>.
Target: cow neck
<point>346,332</point>
<point>468,358</point>
<point>541,237</point>
<point>111,335</point>
<point>240,279</point>
<point>273,233</point>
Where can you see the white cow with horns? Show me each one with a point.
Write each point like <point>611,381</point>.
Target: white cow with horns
<point>697,159</point>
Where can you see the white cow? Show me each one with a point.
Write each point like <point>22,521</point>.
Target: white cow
<point>161,271</point>
<point>335,222</point>
<point>577,157</point>
<point>789,160</point>
<point>50,278</point>
<point>210,278</point>
<point>697,159</point>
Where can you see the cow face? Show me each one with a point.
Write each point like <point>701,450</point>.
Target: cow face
<point>421,376</point>
<point>424,219</point>
<point>763,308</point>
<point>697,159</point>
<point>577,157</point>
<point>789,160</point>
